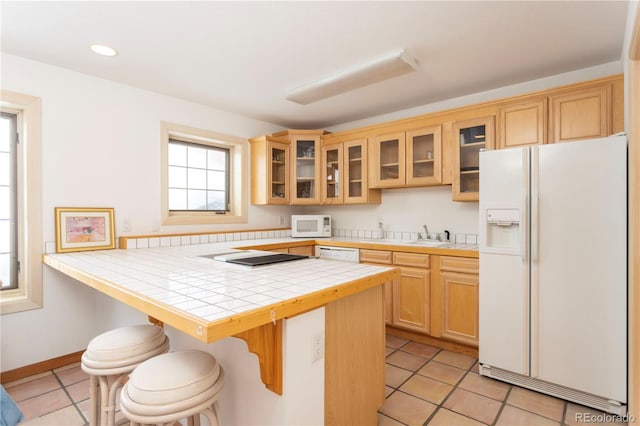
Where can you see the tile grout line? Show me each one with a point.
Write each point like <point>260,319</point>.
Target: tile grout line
<point>502,405</point>
<point>455,386</point>
<point>75,405</point>
<point>413,373</point>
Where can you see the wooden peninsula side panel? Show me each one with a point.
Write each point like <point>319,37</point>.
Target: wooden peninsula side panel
<point>354,358</point>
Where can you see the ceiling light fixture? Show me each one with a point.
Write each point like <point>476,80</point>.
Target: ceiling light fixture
<point>365,74</point>
<point>104,50</point>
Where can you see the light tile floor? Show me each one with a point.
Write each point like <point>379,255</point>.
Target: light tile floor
<point>425,386</point>
<point>432,386</point>
<point>58,397</point>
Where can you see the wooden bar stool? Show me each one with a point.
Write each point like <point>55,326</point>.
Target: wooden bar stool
<point>109,359</point>
<point>174,386</point>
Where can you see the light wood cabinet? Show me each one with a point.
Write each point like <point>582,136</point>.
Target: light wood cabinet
<point>345,174</point>
<point>269,170</point>
<point>356,174</point>
<point>580,114</point>
<point>435,295</point>
<point>407,299</point>
<point>386,160</point>
<point>412,292</point>
<point>459,284</point>
<point>381,257</point>
<point>411,158</point>
<point>424,156</point>
<point>305,167</point>
<point>469,137</point>
<point>304,250</point>
<point>332,174</point>
<point>411,299</point>
<point>522,123</point>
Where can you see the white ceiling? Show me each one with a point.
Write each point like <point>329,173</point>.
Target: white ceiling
<point>245,56</point>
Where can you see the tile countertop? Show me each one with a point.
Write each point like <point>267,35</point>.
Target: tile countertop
<point>210,299</point>
<point>448,249</point>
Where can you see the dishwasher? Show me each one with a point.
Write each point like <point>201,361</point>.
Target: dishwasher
<point>338,253</point>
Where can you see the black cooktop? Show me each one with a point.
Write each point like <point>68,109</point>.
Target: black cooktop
<point>267,259</point>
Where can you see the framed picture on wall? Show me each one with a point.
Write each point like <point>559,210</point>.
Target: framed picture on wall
<point>84,228</point>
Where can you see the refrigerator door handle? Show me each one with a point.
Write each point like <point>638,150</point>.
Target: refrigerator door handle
<point>524,208</point>
<point>533,274</point>
<point>535,204</point>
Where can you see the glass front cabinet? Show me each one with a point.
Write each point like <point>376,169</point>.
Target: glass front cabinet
<point>344,174</point>
<point>305,158</point>
<point>411,158</point>
<point>332,174</point>
<point>424,148</point>
<point>270,159</point>
<point>469,137</point>
<point>387,160</point>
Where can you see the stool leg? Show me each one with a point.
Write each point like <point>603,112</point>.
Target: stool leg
<point>211,416</point>
<point>111,408</point>
<point>94,400</point>
<point>104,399</point>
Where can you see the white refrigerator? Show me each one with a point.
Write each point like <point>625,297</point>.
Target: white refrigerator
<point>553,270</point>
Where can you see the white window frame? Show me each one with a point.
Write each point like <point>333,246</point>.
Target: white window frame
<point>238,174</point>
<point>28,295</point>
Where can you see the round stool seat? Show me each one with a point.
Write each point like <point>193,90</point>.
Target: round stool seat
<point>109,359</point>
<point>172,386</point>
<point>124,347</point>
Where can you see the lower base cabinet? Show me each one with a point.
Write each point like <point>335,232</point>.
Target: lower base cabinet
<point>459,285</point>
<point>459,307</point>
<point>435,295</point>
<point>411,299</point>
<point>304,250</point>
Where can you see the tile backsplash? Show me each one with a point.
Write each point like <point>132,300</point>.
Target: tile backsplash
<point>373,234</point>
<point>191,239</point>
<point>186,240</point>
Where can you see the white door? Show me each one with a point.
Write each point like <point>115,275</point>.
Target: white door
<point>578,289</point>
<point>504,273</point>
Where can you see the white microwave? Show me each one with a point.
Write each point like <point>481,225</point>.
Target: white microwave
<point>307,225</point>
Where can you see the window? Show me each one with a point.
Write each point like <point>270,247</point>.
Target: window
<point>198,177</point>
<point>20,203</point>
<point>8,202</point>
<point>204,176</point>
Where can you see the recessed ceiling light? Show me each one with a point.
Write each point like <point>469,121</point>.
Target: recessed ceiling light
<point>104,50</point>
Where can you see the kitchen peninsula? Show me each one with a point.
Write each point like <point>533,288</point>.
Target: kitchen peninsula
<point>211,300</point>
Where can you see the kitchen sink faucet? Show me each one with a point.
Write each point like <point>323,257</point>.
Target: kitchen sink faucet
<point>426,232</point>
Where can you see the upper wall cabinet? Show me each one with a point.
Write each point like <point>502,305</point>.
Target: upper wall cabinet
<point>305,165</point>
<point>424,148</point>
<point>269,170</point>
<point>344,174</point>
<point>386,160</point>
<point>522,123</point>
<point>470,136</point>
<point>412,158</point>
<point>580,114</point>
<point>439,148</point>
<point>332,174</point>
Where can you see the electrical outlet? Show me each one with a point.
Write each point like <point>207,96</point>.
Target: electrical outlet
<point>281,220</point>
<point>317,347</point>
<point>126,225</point>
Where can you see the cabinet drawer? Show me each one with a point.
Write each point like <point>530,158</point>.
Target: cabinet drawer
<point>376,256</point>
<point>411,259</point>
<point>281,250</point>
<point>304,250</point>
<point>459,264</point>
